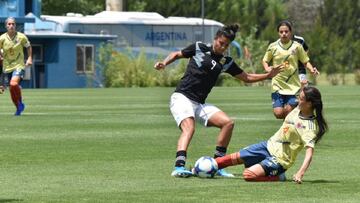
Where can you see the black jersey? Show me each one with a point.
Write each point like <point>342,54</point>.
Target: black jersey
<point>203,70</point>
<point>301,40</point>
<point>306,48</point>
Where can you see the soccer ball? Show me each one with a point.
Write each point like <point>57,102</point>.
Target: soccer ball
<point>205,167</point>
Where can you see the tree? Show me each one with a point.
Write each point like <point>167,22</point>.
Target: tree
<point>335,38</point>
<point>302,13</point>
<point>167,8</point>
<point>263,15</point>
<point>341,16</point>
<point>85,7</point>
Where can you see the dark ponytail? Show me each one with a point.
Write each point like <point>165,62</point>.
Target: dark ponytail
<point>313,95</point>
<point>228,31</point>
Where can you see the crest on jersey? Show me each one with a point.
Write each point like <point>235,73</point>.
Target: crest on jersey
<point>285,130</point>
<point>300,125</point>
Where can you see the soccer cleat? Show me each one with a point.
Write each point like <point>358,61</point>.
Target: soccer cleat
<point>282,177</point>
<point>19,109</point>
<point>223,173</point>
<point>181,172</point>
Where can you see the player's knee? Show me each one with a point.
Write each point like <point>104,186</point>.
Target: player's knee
<point>227,125</point>
<point>187,126</point>
<point>13,83</point>
<point>188,131</point>
<point>289,108</point>
<point>249,175</point>
<point>279,114</point>
<point>230,124</point>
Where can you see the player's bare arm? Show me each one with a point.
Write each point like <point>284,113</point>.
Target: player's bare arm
<point>313,70</point>
<point>266,66</point>
<point>307,160</point>
<point>248,77</point>
<point>29,59</point>
<point>173,56</point>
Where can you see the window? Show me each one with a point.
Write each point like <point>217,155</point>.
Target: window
<point>84,58</point>
<point>76,28</point>
<point>198,36</point>
<point>37,53</point>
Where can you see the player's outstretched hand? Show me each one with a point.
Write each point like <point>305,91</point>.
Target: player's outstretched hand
<point>297,178</point>
<point>315,71</point>
<point>28,62</point>
<point>275,70</point>
<point>304,83</point>
<point>159,65</point>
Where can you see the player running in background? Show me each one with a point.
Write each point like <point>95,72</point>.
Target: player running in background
<point>285,85</point>
<point>268,160</point>
<point>302,69</point>
<point>12,44</point>
<point>187,103</point>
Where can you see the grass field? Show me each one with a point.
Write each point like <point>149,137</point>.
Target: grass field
<point>118,145</point>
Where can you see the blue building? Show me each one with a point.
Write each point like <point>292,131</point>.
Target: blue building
<point>60,59</point>
<point>64,60</point>
<point>18,8</point>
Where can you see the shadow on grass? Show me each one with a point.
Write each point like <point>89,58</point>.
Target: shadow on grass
<point>11,200</point>
<point>321,181</point>
<point>239,176</point>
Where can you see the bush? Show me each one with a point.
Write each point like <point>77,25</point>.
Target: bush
<point>333,79</point>
<point>125,69</point>
<point>357,76</point>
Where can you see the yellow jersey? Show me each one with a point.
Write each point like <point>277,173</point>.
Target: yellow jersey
<point>286,82</point>
<point>295,134</point>
<point>13,51</point>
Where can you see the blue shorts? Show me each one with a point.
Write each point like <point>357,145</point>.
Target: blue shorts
<point>258,154</point>
<point>2,79</point>
<point>7,76</point>
<point>280,100</point>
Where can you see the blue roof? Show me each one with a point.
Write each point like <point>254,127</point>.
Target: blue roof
<point>19,20</point>
<point>51,34</point>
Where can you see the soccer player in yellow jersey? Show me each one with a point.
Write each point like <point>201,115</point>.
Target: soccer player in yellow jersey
<point>302,128</point>
<point>286,84</point>
<point>12,43</point>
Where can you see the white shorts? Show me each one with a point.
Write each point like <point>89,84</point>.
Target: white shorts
<point>182,107</point>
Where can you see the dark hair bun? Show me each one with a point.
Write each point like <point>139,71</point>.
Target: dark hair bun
<point>233,27</point>
<point>229,31</point>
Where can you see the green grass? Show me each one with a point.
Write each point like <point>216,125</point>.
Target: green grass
<point>118,145</point>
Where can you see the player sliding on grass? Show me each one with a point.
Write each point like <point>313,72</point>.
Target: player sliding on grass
<point>285,85</point>
<point>268,160</point>
<point>12,43</point>
<point>187,103</point>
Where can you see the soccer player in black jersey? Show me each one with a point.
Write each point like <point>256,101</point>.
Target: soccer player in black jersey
<point>188,101</point>
<point>302,70</point>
